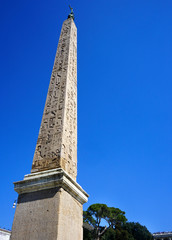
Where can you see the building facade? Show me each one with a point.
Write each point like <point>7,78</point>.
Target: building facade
<point>5,234</point>
<point>162,236</point>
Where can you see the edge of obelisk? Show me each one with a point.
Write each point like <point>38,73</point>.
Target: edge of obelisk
<point>51,179</point>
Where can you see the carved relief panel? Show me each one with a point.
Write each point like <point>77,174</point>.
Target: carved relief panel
<point>57,140</point>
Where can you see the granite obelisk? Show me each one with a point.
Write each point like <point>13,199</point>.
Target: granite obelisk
<point>50,200</point>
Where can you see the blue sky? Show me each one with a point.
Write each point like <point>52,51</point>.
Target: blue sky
<point>124,100</point>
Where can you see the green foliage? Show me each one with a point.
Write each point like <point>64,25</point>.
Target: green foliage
<point>138,231</point>
<point>98,212</point>
<point>88,235</point>
<point>109,234</point>
<point>115,217</point>
<point>88,218</point>
<point>117,234</point>
<point>117,226</point>
<point>121,234</point>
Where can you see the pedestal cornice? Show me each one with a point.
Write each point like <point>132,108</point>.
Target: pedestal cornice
<point>51,179</point>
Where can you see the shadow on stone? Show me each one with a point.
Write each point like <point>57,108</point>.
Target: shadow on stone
<point>33,196</point>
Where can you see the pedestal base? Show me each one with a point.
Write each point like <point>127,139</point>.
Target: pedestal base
<point>49,207</point>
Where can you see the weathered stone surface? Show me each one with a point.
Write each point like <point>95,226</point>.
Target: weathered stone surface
<point>50,200</point>
<point>71,214</point>
<point>49,179</point>
<point>48,214</point>
<point>57,141</point>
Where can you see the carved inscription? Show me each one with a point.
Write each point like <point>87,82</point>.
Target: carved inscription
<point>57,140</point>
<point>70,115</point>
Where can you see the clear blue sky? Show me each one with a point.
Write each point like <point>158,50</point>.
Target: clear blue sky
<point>124,100</point>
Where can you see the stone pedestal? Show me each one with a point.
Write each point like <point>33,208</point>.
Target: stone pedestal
<point>49,207</point>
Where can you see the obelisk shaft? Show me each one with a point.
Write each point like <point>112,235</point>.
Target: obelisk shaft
<point>50,200</point>
<point>57,141</point>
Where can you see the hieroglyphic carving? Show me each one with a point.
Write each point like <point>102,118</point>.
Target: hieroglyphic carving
<point>57,140</point>
<point>69,139</point>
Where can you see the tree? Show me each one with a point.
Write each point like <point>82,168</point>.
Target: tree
<point>117,226</point>
<point>121,234</point>
<point>98,212</point>
<point>88,231</point>
<point>87,234</point>
<point>138,231</point>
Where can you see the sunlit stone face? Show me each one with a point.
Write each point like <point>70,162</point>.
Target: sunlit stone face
<point>57,141</point>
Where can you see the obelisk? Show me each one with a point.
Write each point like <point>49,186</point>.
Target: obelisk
<point>50,200</point>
